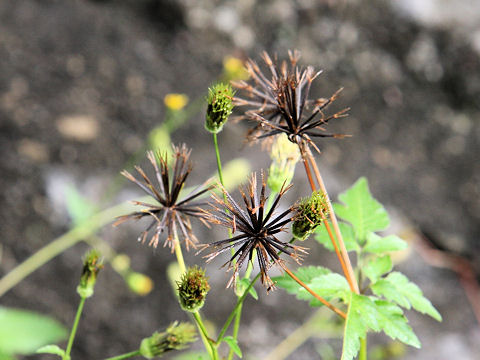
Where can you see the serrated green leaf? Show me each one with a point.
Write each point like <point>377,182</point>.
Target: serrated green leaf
<point>355,328</point>
<point>78,207</point>
<point>394,323</point>
<point>379,245</point>
<point>51,349</point>
<point>304,273</point>
<point>389,291</point>
<point>328,286</point>
<point>365,313</point>
<point>348,235</point>
<point>233,345</point>
<point>361,210</point>
<point>23,332</point>
<point>377,267</point>
<point>396,287</point>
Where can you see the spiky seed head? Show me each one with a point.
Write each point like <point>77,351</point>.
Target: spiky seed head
<point>192,289</point>
<point>91,266</point>
<point>310,213</point>
<point>219,107</point>
<point>175,337</point>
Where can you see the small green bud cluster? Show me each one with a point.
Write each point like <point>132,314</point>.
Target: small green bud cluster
<point>91,266</point>
<point>192,289</point>
<point>219,107</point>
<point>176,337</point>
<point>310,213</point>
<point>285,156</point>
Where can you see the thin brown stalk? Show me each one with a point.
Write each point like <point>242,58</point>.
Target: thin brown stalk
<point>350,274</point>
<point>306,156</point>
<point>313,293</point>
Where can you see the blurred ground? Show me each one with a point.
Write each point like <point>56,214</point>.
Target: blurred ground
<point>81,86</point>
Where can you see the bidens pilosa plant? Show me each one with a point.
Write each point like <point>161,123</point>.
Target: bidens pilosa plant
<point>261,229</point>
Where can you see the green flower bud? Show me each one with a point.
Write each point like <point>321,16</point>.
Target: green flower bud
<point>219,108</point>
<point>176,337</point>
<point>310,213</point>
<point>91,266</point>
<point>285,156</point>
<point>192,289</point>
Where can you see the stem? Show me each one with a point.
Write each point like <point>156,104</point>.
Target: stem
<point>333,217</point>
<point>363,349</point>
<point>304,332</point>
<point>179,254</point>
<point>307,167</point>
<point>125,356</point>
<point>207,342</point>
<point>236,327</point>
<point>238,312</point>
<point>314,294</point>
<point>219,162</point>
<point>59,245</point>
<point>234,311</point>
<point>74,328</point>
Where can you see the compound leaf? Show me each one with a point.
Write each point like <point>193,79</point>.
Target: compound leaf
<point>361,210</point>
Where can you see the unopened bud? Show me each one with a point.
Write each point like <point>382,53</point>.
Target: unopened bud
<point>91,266</point>
<point>310,213</point>
<point>285,156</point>
<point>192,289</point>
<point>176,337</point>
<point>219,107</point>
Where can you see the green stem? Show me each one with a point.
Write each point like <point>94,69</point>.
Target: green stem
<point>74,328</point>
<point>59,245</point>
<point>236,327</point>
<point>207,342</point>
<point>179,254</point>
<point>212,350</point>
<point>125,356</point>
<point>235,309</point>
<point>308,329</point>
<point>219,162</point>
<point>363,349</point>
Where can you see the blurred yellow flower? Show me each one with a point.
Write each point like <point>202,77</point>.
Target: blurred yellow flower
<point>175,101</point>
<point>233,69</point>
<point>139,283</point>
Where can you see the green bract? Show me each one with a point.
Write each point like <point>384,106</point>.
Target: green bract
<point>219,108</point>
<point>91,266</point>
<point>310,213</point>
<point>176,337</point>
<point>193,288</point>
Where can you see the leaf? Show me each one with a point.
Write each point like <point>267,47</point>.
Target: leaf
<point>394,323</point>
<point>355,328</point>
<point>242,285</point>
<point>365,313</point>
<point>23,332</point>
<point>396,287</point>
<point>328,286</point>
<point>232,342</point>
<point>377,267</point>
<point>388,290</point>
<point>51,349</point>
<point>78,207</point>
<point>361,210</point>
<point>379,245</point>
<point>348,235</point>
<point>304,273</point>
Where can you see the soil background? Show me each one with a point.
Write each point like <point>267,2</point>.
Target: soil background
<point>82,85</point>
